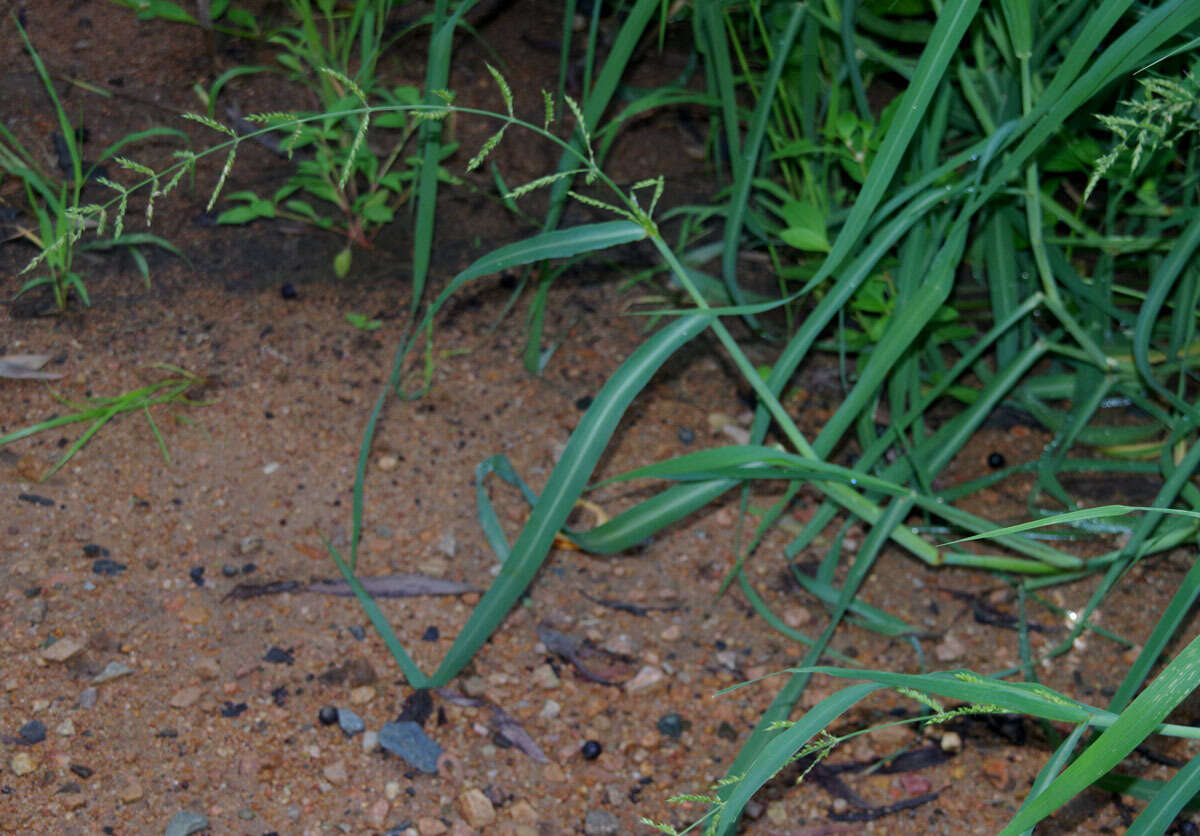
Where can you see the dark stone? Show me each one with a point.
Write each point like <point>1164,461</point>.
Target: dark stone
<point>726,732</point>
<point>349,722</point>
<point>583,403</point>
<point>996,461</point>
<point>357,631</point>
<point>416,708</point>
<point>82,771</point>
<point>670,725</point>
<point>196,573</point>
<point>591,750</point>
<point>44,501</point>
<point>92,550</point>
<point>409,741</point>
<point>229,570</point>
<point>279,656</point>
<point>288,291</point>
<point>686,435</point>
<point>327,715</point>
<point>231,709</point>
<point>431,634</point>
<point>32,732</point>
<point>107,568</point>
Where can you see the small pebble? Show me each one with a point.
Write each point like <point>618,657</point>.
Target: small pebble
<point>550,710</point>
<point>349,722</point>
<point>545,677</point>
<point>601,823</point>
<point>92,551</point>
<point>476,808</point>
<point>473,686</point>
<point>951,742</point>
<point>186,697</point>
<point>82,771</point>
<point>66,728</point>
<point>196,573</point>
<point>591,750</point>
<point>670,725</point>
<point>431,634</point>
<point>357,631</point>
<point>229,570</point>
<point>448,545</point>
<point>362,695</point>
<point>130,791</point>
<point>62,650</point>
<point>288,291</point>
<point>672,633</point>
<point>22,763</point>
<point>646,679</point>
<point>88,697</point>
<point>185,823</point>
<point>408,740</point>
<point>249,545</point>
<point>327,715</point>
<point>111,671</point>
<point>32,732</point>
<point>686,435</point>
<point>336,774</point>
<point>370,741</point>
<point>950,648</point>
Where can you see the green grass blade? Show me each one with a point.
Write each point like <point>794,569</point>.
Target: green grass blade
<point>952,23</point>
<point>1168,802</point>
<point>778,751</point>
<point>379,621</point>
<point>584,448</point>
<point>1133,726</point>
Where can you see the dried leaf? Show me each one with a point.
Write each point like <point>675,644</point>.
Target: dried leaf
<point>501,722</point>
<point>394,586</point>
<point>593,663</point>
<point>25,367</point>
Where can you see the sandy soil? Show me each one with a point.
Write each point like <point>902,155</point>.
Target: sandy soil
<point>160,693</point>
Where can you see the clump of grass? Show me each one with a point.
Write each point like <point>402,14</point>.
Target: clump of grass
<point>180,387</point>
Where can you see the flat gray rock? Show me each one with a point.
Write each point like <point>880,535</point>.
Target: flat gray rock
<point>408,740</point>
<point>185,823</point>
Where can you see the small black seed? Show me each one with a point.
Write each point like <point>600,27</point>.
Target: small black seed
<point>82,771</point>
<point>248,568</point>
<point>591,750</point>
<point>583,403</point>
<point>196,573</point>
<point>327,716</point>
<point>996,461</point>
<point>288,291</point>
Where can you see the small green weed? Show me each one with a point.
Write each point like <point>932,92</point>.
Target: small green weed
<point>58,209</point>
<point>180,388</point>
